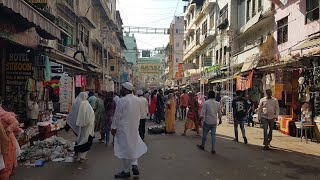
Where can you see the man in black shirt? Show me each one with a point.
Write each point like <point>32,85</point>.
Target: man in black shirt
<point>240,108</point>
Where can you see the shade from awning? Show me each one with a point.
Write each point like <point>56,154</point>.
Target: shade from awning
<point>44,26</point>
<point>250,63</point>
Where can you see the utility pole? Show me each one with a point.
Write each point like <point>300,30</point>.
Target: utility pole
<point>104,59</point>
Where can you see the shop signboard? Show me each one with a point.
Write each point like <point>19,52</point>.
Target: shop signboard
<point>207,61</point>
<point>149,69</point>
<point>18,69</point>
<point>212,71</point>
<point>27,38</point>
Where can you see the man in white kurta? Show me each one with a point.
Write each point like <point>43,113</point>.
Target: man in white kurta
<point>128,145</point>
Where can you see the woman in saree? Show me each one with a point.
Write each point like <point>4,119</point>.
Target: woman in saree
<point>81,120</point>
<point>193,114</point>
<point>170,116</point>
<point>10,149</point>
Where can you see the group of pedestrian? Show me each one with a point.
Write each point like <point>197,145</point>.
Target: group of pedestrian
<point>268,112</point>
<point>124,117</point>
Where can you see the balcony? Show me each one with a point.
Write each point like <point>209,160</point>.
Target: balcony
<point>86,13</point>
<point>208,5</point>
<point>208,37</point>
<point>66,4</point>
<point>67,50</point>
<point>199,16</point>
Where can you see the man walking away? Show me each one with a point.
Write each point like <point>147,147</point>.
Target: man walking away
<point>268,112</point>
<point>184,104</point>
<point>144,110</point>
<point>210,110</point>
<point>128,145</point>
<point>160,107</point>
<point>240,110</point>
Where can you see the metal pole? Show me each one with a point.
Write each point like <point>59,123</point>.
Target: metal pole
<point>103,65</point>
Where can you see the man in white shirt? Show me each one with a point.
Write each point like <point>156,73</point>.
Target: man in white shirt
<point>128,145</point>
<point>211,112</point>
<point>144,110</point>
<point>268,112</point>
<point>116,98</point>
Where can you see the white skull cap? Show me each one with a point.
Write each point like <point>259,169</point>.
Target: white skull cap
<point>128,86</point>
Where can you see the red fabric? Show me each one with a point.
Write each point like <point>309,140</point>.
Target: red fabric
<point>184,100</point>
<point>10,123</point>
<point>153,104</point>
<point>56,91</point>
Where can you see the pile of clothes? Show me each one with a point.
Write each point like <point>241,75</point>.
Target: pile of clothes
<point>159,129</point>
<point>50,149</point>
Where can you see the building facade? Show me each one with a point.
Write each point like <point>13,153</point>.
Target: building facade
<point>59,39</point>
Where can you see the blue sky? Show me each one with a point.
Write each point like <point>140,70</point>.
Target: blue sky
<point>150,13</point>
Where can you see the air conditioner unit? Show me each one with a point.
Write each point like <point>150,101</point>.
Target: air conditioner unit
<point>223,21</point>
<point>44,41</point>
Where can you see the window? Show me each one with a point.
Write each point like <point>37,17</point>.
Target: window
<point>253,8</point>
<point>217,55</point>
<point>259,5</point>
<point>198,36</point>
<point>84,36</point>
<point>212,21</point>
<point>220,56</point>
<point>177,60</point>
<point>112,68</point>
<point>248,9</point>
<point>70,3</point>
<point>67,39</point>
<point>282,30</point>
<point>312,10</point>
<point>204,27</point>
<point>177,31</point>
<point>177,44</point>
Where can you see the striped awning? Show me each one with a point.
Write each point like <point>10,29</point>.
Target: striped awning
<point>44,26</point>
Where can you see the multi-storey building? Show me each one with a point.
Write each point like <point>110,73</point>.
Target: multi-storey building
<point>208,27</point>
<point>131,55</point>
<point>176,47</point>
<point>53,31</point>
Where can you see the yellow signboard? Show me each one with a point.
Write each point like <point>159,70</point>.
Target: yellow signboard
<point>149,68</point>
<point>39,1</point>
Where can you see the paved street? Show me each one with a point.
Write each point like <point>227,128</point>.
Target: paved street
<point>176,157</point>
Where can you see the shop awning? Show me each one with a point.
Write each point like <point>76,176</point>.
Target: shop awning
<point>67,64</point>
<point>309,43</point>
<point>250,63</point>
<point>44,26</point>
<point>220,80</point>
<point>283,62</point>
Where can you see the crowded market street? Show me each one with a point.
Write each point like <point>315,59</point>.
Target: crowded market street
<point>176,157</point>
